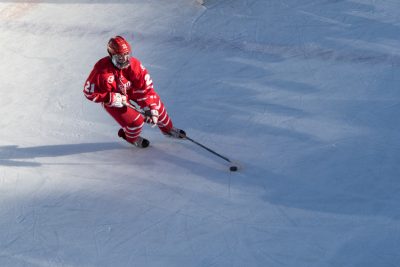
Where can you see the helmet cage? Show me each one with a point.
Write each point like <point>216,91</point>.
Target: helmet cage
<point>120,52</point>
<point>121,61</point>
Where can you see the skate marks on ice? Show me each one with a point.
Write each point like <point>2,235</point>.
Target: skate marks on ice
<point>47,29</point>
<point>322,129</point>
<point>351,32</point>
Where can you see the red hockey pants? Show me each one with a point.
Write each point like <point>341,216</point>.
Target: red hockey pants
<point>132,121</point>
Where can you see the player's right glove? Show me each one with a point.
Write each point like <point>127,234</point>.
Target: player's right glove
<point>117,100</point>
<point>151,115</point>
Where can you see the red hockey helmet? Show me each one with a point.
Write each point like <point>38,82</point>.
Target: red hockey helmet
<point>120,51</point>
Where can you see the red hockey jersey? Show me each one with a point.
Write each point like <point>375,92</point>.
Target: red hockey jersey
<point>133,81</point>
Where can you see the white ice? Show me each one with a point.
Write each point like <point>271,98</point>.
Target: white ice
<point>304,94</point>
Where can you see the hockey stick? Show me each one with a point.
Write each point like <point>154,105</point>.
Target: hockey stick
<point>208,149</point>
<point>231,168</point>
<point>129,105</point>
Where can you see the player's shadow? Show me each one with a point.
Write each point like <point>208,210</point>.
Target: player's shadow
<point>16,156</point>
<point>68,2</point>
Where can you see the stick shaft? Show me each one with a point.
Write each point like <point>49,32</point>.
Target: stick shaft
<point>208,149</point>
<point>129,105</point>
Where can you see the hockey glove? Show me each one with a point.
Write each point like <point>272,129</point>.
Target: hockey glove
<point>151,115</point>
<point>117,100</point>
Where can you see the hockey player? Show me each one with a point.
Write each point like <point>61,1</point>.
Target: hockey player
<point>118,78</point>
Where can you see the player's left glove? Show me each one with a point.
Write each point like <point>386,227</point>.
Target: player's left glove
<point>151,115</point>
<point>117,100</point>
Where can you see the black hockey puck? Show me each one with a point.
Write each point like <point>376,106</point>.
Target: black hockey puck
<point>233,168</point>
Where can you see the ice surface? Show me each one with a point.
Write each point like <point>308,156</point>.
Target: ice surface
<point>303,94</point>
